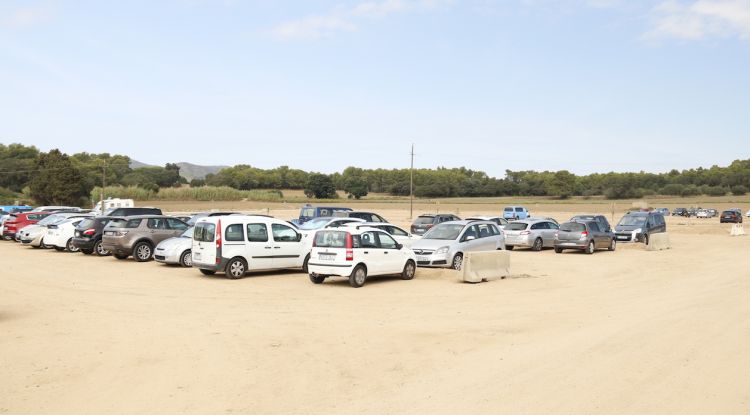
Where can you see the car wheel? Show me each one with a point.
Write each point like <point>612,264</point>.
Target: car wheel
<point>43,245</point>
<point>458,261</point>
<point>558,250</point>
<point>207,271</point>
<point>236,268</point>
<point>317,279</point>
<point>509,247</point>
<point>612,245</point>
<point>87,251</point>
<point>121,256</point>
<point>590,248</point>
<point>304,264</point>
<point>186,259</point>
<point>70,247</point>
<point>143,252</point>
<point>59,249</point>
<point>358,277</point>
<point>409,270</point>
<point>645,239</point>
<point>537,245</point>
<point>99,249</point>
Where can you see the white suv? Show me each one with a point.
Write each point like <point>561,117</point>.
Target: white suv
<point>357,253</point>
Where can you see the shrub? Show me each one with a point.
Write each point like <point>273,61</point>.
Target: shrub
<point>739,190</point>
<point>204,193</point>
<point>690,190</point>
<point>673,189</point>
<point>713,190</point>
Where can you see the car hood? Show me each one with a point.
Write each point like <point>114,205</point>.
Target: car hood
<point>32,229</point>
<point>431,243</point>
<point>175,243</point>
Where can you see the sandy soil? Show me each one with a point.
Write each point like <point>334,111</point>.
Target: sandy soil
<point>616,332</point>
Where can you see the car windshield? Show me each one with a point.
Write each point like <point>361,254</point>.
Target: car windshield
<point>316,223</point>
<point>49,220</point>
<point>423,220</point>
<point>630,220</point>
<point>188,233</point>
<point>444,231</point>
<point>572,227</point>
<point>516,226</point>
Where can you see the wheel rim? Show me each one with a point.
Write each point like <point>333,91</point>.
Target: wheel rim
<point>409,270</point>
<point>359,276</point>
<point>71,247</point>
<point>100,249</point>
<point>612,245</point>
<point>538,244</point>
<point>591,247</point>
<point>457,261</point>
<point>187,259</point>
<point>144,252</point>
<point>237,269</point>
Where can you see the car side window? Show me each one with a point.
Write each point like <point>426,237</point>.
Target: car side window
<point>257,232</point>
<point>471,231</point>
<point>234,233</point>
<point>156,223</point>
<point>552,225</point>
<point>283,233</point>
<point>594,227</point>
<point>484,231</point>
<point>377,218</point>
<point>367,240</point>
<point>494,230</point>
<point>386,242</point>
<point>539,225</point>
<point>176,224</point>
<point>396,231</point>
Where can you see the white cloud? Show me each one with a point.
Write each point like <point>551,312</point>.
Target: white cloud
<point>701,19</point>
<point>24,17</point>
<point>342,19</point>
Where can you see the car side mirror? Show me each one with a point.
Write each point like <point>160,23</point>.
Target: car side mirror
<point>470,238</point>
<point>399,246</point>
<point>299,237</point>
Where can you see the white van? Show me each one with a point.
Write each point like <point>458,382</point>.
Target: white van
<point>112,204</point>
<point>237,244</point>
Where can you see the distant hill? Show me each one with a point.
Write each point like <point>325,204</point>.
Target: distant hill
<point>187,170</point>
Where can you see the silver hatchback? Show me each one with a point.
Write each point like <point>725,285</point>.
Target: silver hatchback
<point>444,245</point>
<point>531,233</point>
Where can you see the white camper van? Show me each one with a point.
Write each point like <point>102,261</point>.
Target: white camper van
<point>110,203</point>
<point>237,244</point>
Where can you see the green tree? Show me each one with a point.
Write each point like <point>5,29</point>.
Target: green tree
<point>320,186</point>
<point>739,190</point>
<point>56,181</point>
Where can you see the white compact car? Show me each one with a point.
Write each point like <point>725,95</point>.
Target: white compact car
<point>702,213</point>
<point>499,220</point>
<point>238,244</point>
<point>358,253</point>
<point>177,250</point>
<point>34,234</point>
<point>60,235</point>
<point>400,235</point>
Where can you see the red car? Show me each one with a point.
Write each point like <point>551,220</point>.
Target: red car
<point>19,220</point>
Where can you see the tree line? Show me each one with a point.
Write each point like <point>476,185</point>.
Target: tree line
<point>57,178</point>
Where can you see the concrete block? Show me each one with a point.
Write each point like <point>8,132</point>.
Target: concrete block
<point>737,230</point>
<point>485,266</point>
<point>658,242</point>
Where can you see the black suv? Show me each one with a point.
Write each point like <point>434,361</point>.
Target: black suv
<point>424,222</point>
<point>366,216</point>
<point>730,216</point>
<point>600,219</point>
<point>88,235</point>
<point>133,211</point>
<point>637,226</point>
<point>680,212</point>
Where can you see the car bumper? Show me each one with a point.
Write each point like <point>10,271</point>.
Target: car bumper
<point>571,245</point>
<point>628,237</point>
<point>84,244</point>
<point>343,270</point>
<point>433,260</point>
<point>167,256</point>
<point>518,241</point>
<point>211,267</point>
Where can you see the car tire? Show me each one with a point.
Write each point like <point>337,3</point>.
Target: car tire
<point>236,268</point>
<point>538,244</point>
<point>70,247</point>
<point>317,279</point>
<point>186,259</point>
<point>143,251</point>
<point>87,251</point>
<point>99,249</point>
<point>645,239</point>
<point>558,250</point>
<point>509,247</point>
<point>207,271</point>
<point>59,248</point>
<point>590,248</point>
<point>121,256</point>
<point>612,245</point>
<point>304,263</point>
<point>410,268</point>
<point>457,261</point>
<point>358,276</point>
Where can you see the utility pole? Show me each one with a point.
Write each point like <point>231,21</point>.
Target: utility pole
<point>411,184</point>
<point>104,184</point>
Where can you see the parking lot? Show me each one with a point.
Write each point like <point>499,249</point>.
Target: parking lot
<point>628,331</point>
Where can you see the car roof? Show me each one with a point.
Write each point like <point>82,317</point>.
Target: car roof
<point>532,220</point>
<point>144,217</point>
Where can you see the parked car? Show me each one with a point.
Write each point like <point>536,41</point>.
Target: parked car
<point>730,216</point>
<point>713,213</point>
<point>132,211</point>
<point>499,220</point>
<point>584,235</point>
<point>638,226</point>
<point>194,218</point>
<point>664,211</point>
<point>88,235</point>
<point>111,204</point>
<point>138,235</point>
<point>423,223</point>
<point>515,212</point>
<point>365,216</point>
<point>309,212</point>
<point>702,213</point>
<point>33,235</point>
<point>600,219</point>
<point>358,253</point>
<point>401,236</point>
<point>60,234</point>
<point>18,221</point>
<point>309,227</point>
<point>547,218</point>
<point>680,212</point>
<point>238,244</point>
<point>177,250</point>
<point>748,213</point>
<point>56,209</point>
<point>530,233</point>
<point>445,244</point>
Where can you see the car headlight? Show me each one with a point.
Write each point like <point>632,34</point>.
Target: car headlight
<point>639,230</point>
<point>442,250</point>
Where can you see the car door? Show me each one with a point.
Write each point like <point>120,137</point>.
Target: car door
<point>596,234</point>
<point>552,230</point>
<point>176,226</point>
<point>372,255</point>
<point>258,250</point>
<point>287,248</point>
<point>393,258</point>
<point>158,229</point>
<point>470,240</point>
<point>486,241</point>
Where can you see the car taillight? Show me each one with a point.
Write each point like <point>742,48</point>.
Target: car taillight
<point>349,245</point>
<point>525,233</point>
<point>89,232</point>
<point>218,235</point>
<point>315,240</point>
<point>584,234</point>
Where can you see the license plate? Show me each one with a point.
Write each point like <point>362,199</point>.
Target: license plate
<point>423,258</point>
<point>109,233</point>
<point>77,234</point>
<point>622,238</point>
<point>196,256</point>
<point>326,257</point>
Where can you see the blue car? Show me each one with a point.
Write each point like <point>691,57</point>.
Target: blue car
<point>311,212</point>
<point>515,213</point>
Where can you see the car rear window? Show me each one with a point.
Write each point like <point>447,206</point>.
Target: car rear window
<point>572,227</point>
<point>204,232</point>
<point>86,223</point>
<point>423,220</point>
<point>122,223</point>
<point>516,226</point>
<point>508,209</point>
<point>330,239</point>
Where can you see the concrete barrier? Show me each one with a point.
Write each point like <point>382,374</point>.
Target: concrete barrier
<point>658,242</point>
<point>485,266</point>
<point>737,230</point>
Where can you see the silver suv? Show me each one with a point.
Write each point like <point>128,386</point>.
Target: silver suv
<point>531,233</point>
<point>444,245</point>
<point>138,235</point>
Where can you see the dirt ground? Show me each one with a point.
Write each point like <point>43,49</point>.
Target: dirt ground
<point>624,332</point>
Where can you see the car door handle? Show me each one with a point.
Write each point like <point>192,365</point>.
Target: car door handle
<point>366,252</point>
<point>386,252</point>
<point>268,247</point>
<point>276,247</point>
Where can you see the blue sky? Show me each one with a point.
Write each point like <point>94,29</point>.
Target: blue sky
<point>582,85</point>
